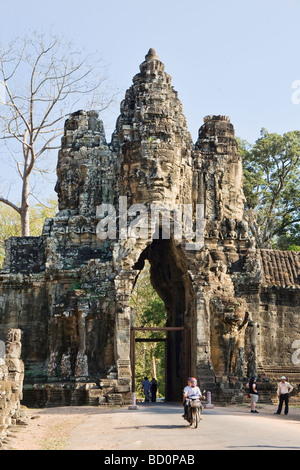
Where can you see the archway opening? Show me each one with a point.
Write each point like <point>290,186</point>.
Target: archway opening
<point>170,280</point>
<point>148,338</point>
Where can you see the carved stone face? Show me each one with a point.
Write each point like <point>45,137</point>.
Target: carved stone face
<point>151,174</point>
<point>153,137</point>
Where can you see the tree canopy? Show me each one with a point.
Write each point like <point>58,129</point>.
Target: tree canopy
<point>272,188</point>
<point>10,223</point>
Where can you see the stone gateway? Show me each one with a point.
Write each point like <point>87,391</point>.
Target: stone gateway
<point>233,310</point>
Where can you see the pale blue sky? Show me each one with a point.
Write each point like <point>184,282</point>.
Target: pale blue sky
<point>234,57</point>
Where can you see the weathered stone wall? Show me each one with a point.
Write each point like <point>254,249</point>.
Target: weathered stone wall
<point>24,255</point>
<point>11,382</point>
<point>236,307</point>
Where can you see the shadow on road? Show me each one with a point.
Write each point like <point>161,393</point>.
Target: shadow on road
<point>156,426</point>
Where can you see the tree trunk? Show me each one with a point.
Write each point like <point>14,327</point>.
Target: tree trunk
<point>153,366</point>
<point>25,227</point>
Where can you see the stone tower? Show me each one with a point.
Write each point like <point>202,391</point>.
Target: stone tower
<point>152,140</point>
<point>147,195</point>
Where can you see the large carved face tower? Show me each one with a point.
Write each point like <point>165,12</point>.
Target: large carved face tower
<point>155,167</point>
<point>155,147</point>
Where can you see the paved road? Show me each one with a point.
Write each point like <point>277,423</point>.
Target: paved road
<point>161,427</point>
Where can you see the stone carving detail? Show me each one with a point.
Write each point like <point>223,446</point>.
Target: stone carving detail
<point>69,290</point>
<point>11,383</point>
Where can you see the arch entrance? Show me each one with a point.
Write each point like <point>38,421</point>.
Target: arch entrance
<point>174,378</point>
<point>170,279</point>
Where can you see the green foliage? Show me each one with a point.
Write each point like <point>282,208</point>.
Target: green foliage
<point>271,185</point>
<point>10,223</point>
<point>294,248</point>
<point>75,285</point>
<point>290,240</point>
<point>149,311</point>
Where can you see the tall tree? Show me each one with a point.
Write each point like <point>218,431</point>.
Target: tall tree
<point>272,185</point>
<point>42,81</point>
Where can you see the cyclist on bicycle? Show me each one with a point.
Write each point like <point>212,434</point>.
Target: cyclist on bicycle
<point>190,390</point>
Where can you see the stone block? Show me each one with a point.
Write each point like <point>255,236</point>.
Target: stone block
<point>114,398</point>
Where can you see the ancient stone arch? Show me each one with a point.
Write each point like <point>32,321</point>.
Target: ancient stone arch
<point>69,290</point>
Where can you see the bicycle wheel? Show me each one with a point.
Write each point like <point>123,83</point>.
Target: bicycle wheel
<point>194,420</point>
<point>197,418</point>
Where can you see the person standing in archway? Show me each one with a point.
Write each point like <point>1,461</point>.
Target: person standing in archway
<point>147,388</point>
<point>154,387</point>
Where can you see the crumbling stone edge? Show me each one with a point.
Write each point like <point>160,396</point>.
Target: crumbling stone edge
<point>12,413</point>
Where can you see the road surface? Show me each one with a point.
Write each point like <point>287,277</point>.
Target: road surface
<point>159,427</point>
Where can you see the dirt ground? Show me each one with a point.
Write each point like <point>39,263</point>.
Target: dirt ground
<point>52,428</point>
<point>47,429</point>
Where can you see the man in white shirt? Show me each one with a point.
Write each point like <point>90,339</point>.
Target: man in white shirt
<point>283,390</point>
<point>190,390</point>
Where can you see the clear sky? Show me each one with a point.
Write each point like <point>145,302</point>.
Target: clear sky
<point>237,58</point>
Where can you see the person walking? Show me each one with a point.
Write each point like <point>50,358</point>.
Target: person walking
<point>147,387</point>
<point>253,394</point>
<point>283,390</point>
<point>154,387</point>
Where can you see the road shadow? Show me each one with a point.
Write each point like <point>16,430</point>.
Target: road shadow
<point>156,426</point>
